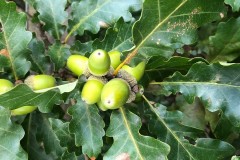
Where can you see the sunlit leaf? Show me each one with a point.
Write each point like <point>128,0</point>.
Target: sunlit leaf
<point>166,25</point>
<point>14,38</point>
<point>124,128</point>
<point>11,134</point>
<point>87,126</point>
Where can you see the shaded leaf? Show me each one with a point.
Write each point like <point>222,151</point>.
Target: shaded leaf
<point>40,62</point>
<point>194,114</point>
<point>226,41</point>
<point>91,14</point>
<point>235,4</point>
<point>72,156</point>
<point>47,137</point>
<point>216,85</point>
<point>53,14</point>
<point>10,134</point>
<point>221,126</point>
<point>31,145</point>
<point>87,126</point>
<point>183,140</point>
<point>22,95</point>
<point>61,130</point>
<point>124,128</point>
<point>158,67</point>
<point>14,38</point>
<point>118,38</point>
<point>59,54</point>
<point>81,48</point>
<point>164,24</point>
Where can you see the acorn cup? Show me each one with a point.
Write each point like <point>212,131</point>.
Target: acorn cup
<point>77,64</point>
<point>115,57</point>
<point>136,71</point>
<point>99,63</point>
<point>5,85</point>
<point>91,92</point>
<point>38,82</point>
<point>115,93</point>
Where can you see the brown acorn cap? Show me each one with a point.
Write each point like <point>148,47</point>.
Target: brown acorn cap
<point>29,81</point>
<point>127,77</point>
<point>131,97</point>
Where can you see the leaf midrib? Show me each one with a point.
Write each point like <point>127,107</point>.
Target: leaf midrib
<point>169,130</point>
<point>161,23</point>
<point>130,132</point>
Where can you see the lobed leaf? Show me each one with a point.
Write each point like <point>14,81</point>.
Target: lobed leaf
<point>34,148</point>
<point>166,25</point>
<point>182,139</point>
<point>217,86</point>
<point>119,37</point>
<point>235,4</point>
<point>124,128</point>
<point>158,67</point>
<point>91,14</point>
<point>40,62</point>
<point>47,137</point>
<point>22,95</point>
<point>59,54</point>
<point>11,134</point>
<point>87,125</point>
<point>226,41</point>
<point>14,38</point>
<point>53,14</point>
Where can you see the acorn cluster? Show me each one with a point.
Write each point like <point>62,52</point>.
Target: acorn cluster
<point>108,91</point>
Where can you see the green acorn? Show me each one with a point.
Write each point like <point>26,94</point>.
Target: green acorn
<point>115,57</point>
<point>38,82</point>
<point>23,110</point>
<point>115,93</point>
<point>5,85</point>
<point>99,63</point>
<point>136,71</point>
<point>91,92</point>
<point>101,106</point>
<point>77,64</point>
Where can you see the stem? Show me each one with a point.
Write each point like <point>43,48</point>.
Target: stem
<point>127,60</point>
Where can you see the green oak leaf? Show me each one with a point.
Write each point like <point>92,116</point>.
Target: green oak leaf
<point>235,4</point>
<point>22,95</point>
<point>47,136</point>
<point>216,85</point>
<point>119,37</point>
<point>11,134</point>
<point>128,142</point>
<point>40,61</point>
<point>81,48</point>
<point>91,14</point>
<point>182,139</point>
<point>14,38</point>
<point>53,14</point>
<point>158,67</point>
<point>61,130</point>
<point>34,148</point>
<point>87,126</point>
<point>226,41</point>
<point>59,54</point>
<point>165,25</point>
